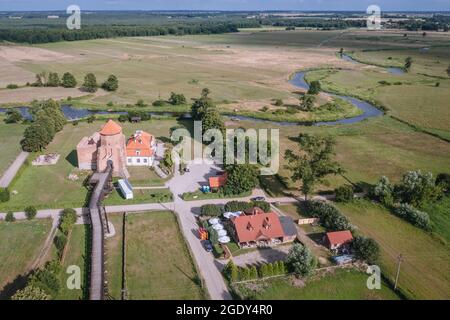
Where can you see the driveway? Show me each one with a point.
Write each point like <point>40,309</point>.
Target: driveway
<point>262,255</point>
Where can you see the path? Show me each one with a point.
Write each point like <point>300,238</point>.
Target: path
<point>11,172</point>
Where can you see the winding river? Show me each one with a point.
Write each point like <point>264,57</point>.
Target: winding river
<point>298,80</point>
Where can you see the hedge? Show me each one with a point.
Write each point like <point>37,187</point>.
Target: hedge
<point>418,218</point>
<point>329,216</point>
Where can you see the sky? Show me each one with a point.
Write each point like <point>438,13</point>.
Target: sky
<point>357,5</point>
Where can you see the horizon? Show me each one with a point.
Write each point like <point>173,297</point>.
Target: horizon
<point>227,5</point>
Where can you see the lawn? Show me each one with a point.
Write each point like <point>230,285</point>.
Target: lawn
<point>144,177</point>
<point>20,243</point>
<point>425,272</point>
<point>10,136</point>
<point>140,196</point>
<point>49,187</point>
<point>77,254</point>
<point>339,285</point>
<point>113,249</point>
<point>158,263</point>
<point>440,217</point>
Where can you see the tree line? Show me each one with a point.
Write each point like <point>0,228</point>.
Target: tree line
<point>45,35</point>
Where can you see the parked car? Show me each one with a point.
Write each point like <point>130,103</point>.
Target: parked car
<point>258,199</point>
<point>207,245</point>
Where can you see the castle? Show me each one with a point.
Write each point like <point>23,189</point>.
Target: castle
<point>109,144</point>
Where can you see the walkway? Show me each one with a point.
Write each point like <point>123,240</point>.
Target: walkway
<point>11,172</point>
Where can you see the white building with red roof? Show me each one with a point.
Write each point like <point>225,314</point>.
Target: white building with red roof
<point>140,149</point>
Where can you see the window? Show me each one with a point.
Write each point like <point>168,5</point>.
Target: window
<point>138,152</point>
<point>145,160</point>
<point>138,160</point>
<point>129,160</point>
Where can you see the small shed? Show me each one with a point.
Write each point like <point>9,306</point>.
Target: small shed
<point>126,189</point>
<point>335,240</point>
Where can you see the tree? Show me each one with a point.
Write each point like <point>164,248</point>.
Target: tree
<point>417,188</point>
<point>123,118</point>
<point>68,218</point>
<point>60,242</point>
<point>213,236</point>
<point>270,270</point>
<point>13,116</point>
<point>278,102</point>
<point>41,79</point>
<point>443,181</point>
<point>263,272</point>
<point>384,192</point>
<point>5,195</point>
<point>253,273</point>
<point>177,99</point>
<point>344,193</point>
<point>212,119</point>
<point>68,80</point>
<point>30,212</point>
<point>31,293</point>
<point>418,218</point>
<point>140,103</point>
<point>448,71</point>
<point>241,178</point>
<point>314,87</point>
<point>366,249</point>
<point>330,217</point>
<point>47,280</point>
<point>408,64</point>
<point>300,260</point>
<point>314,161</point>
<point>53,80</point>
<point>111,84</point>
<point>35,138</point>
<point>91,118</point>
<point>307,102</point>
<point>205,93</point>
<point>90,83</point>
<point>10,217</point>
<point>231,271</point>
<point>341,52</point>
<point>200,106</point>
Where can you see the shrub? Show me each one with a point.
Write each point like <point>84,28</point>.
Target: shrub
<point>123,118</point>
<point>418,188</point>
<point>264,109</point>
<point>300,260</point>
<point>31,293</point>
<point>418,218</point>
<point>213,236</point>
<point>111,84</point>
<point>5,195</point>
<point>30,212</point>
<point>67,220</point>
<point>47,280</point>
<point>234,206</point>
<point>13,116</point>
<point>264,205</point>
<point>10,217</point>
<point>278,102</point>
<point>68,80</point>
<point>241,178</point>
<point>60,243</point>
<point>75,123</point>
<point>443,181</point>
<point>12,86</point>
<point>140,103</point>
<point>314,87</point>
<point>366,249</point>
<point>158,103</point>
<point>211,210</point>
<point>253,273</point>
<point>177,99</point>
<point>91,119</point>
<point>329,216</point>
<point>231,271</point>
<point>90,83</point>
<point>53,80</point>
<point>344,193</point>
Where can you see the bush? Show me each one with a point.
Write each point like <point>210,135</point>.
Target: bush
<point>91,119</point>
<point>90,83</point>
<point>366,249</point>
<point>384,192</point>
<point>13,116</point>
<point>68,80</point>
<point>10,217</point>
<point>30,212</point>
<point>123,118</point>
<point>300,260</point>
<point>417,188</point>
<point>158,103</point>
<point>47,280</point>
<point>264,109</point>
<point>314,87</point>
<point>31,293</point>
<point>443,181</point>
<point>234,206</point>
<point>329,216</point>
<point>231,272</point>
<point>5,195</point>
<point>67,220</point>
<point>12,86</point>
<point>60,243</point>
<point>177,99</point>
<point>211,210</point>
<point>418,218</point>
<point>111,84</point>
<point>278,102</point>
<point>140,103</point>
<point>264,205</point>
<point>344,193</point>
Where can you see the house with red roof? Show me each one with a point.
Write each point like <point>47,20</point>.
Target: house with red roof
<point>338,239</point>
<point>256,228</point>
<point>140,149</point>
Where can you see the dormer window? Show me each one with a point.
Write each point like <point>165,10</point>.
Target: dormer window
<point>138,152</point>
<point>249,226</point>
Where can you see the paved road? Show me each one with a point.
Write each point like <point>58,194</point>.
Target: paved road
<point>11,172</point>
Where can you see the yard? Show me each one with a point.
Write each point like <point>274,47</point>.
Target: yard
<point>340,284</point>
<point>20,243</point>
<point>140,196</point>
<point>158,263</point>
<point>78,254</point>
<point>49,187</point>
<point>425,272</point>
<point>113,249</point>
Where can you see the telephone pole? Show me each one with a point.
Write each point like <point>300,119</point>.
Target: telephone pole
<point>399,262</point>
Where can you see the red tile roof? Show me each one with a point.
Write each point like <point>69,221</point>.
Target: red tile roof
<point>140,142</point>
<point>339,237</point>
<point>256,227</point>
<point>218,181</point>
<point>111,128</point>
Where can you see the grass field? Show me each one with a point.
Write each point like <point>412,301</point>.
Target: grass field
<point>77,254</point>
<point>49,186</point>
<point>10,136</point>
<point>339,285</point>
<point>113,249</point>
<point>158,264</point>
<point>425,272</point>
<point>140,196</point>
<point>20,243</point>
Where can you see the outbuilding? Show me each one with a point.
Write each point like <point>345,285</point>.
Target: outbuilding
<point>126,189</point>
